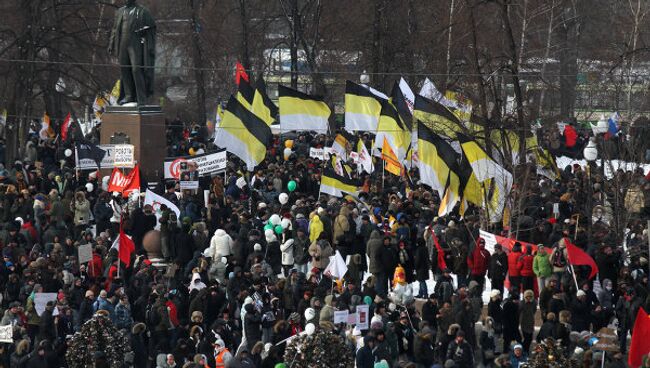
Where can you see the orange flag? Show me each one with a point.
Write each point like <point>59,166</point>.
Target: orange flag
<point>392,164</point>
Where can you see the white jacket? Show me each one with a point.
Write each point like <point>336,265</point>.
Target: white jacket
<point>287,253</point>
<point>220,245</point>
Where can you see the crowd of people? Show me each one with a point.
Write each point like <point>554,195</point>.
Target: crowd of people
<point>234,291</point>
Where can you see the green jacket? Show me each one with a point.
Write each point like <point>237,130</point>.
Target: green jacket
<point>542,265</point>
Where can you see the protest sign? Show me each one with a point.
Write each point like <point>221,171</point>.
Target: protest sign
<point>191,185</point>
<point>341,316</point>
<point>362,316</point>
<point>85,253</point>
<point>117,155</point>
<point>7,334</point>
<point>205,165</point>
<point>41,299</point>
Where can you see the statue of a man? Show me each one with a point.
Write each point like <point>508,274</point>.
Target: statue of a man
<point>133,42</point>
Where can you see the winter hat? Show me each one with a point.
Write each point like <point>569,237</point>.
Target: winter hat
<point>495,293</point>
<point>382,364</point>
<point>257,247</point>
<point>581,293</point>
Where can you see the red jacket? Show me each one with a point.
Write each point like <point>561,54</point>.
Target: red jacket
<point>173,313</point>
<point>95,268</point>
<point>513,259</point>
<point>479,261</point>
<point>525,265</point>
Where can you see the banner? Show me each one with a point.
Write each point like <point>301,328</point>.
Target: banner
<point>124,184</point>
<point>206,164</point>
<point>117,155</point>
<point>507,243</point>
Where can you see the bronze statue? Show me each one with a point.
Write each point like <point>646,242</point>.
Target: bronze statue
<point>133,43</point>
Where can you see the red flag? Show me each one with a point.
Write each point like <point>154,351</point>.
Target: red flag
<point>640,344</point>
<point>579,257</point>
<point>64,128</point>
<point>570,136</point>
<point>126,247</point>
<point>124,184</point>
<point>240,73</point>
<point>441,253</point>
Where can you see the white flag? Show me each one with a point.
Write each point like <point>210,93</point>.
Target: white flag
<point>156,201</point>
<point>408,94</point>
<point>336,268</point>
<point>365,161</point>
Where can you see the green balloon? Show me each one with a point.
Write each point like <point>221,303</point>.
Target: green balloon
<point>292,185</point>
<point>279,229</point>
<point>268,227</point>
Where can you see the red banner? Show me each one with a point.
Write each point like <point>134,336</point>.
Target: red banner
<point>124,184</point>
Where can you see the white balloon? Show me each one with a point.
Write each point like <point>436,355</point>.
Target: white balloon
<point>310,329</point>
<point>268,233</point>
<point>68,152</point>
<point>275,219</point>
<point>89,187</point>
<point>287,152</point>
<point>285,223</point>
<point>283,198</point>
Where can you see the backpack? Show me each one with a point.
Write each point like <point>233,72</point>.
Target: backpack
<point>446,291</point>
<point>558,258</point>
<point>152,318</point>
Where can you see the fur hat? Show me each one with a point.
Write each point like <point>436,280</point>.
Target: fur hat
<point>197,316</point>
<point>138,328</point>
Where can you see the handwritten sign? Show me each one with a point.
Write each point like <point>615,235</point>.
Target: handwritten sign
<point>85,253</point>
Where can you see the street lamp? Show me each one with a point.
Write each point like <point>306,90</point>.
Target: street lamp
<point>590,152</point>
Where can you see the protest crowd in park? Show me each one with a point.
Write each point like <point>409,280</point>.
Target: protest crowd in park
<point>286,266</point>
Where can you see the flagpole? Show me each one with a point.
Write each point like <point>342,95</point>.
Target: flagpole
<point>383,170</point>
<point>573,273</point>
<point>602,362</point>
<point>648,244</point>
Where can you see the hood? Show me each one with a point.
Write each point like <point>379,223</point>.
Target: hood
<point>328,300</point>
<point>344,211</point>
<point>607,282</point>
<point>316,219</point>
<point>375,235</point>
<point>220,233</point>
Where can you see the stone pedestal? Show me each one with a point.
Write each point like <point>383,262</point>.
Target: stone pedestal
<point>144,128</point>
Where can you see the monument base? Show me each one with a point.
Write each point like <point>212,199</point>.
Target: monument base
<point>144,128</point>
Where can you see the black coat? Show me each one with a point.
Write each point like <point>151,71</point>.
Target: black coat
<point>498,266</point>
<point>461,354</point>
<point>253,327</point>
<point>365,359</point>
<point>422,263</point>
<point>387,258</point>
